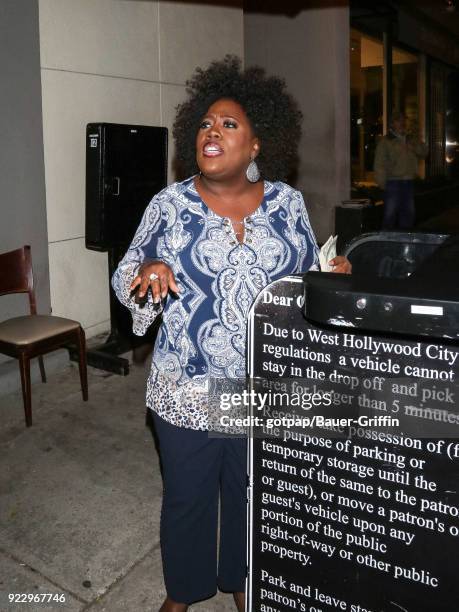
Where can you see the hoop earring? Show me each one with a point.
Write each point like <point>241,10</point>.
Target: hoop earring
<point>252,173</point>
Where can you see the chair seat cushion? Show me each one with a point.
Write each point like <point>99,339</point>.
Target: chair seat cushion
<point>33,328</point>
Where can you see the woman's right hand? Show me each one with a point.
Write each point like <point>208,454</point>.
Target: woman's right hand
<point>159,286</point>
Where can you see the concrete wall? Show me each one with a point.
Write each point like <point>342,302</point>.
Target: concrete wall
<point>121,61</point>
<point>311,51</point>
<point>22,175</point>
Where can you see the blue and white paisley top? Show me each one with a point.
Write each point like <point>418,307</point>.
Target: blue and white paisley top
<point>203,332</point>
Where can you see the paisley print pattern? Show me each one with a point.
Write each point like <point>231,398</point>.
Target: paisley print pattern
<point>203,332</point>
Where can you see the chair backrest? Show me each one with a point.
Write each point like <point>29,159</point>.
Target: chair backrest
<point>16,274</point>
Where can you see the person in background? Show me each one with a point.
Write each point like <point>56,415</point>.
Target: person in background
<point>204,250</point>
<point>396,166</point>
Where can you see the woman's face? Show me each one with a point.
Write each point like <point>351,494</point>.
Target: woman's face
<point>225,142</point>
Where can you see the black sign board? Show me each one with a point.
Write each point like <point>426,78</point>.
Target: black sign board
<point>354,500</point>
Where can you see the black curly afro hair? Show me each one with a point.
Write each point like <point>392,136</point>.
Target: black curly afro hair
<point>272,112</point>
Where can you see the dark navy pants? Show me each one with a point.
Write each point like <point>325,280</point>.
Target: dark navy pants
<point>197,471</point>
<point>398,205</point>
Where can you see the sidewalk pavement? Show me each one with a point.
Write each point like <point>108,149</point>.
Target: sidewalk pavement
<point>80,498</point>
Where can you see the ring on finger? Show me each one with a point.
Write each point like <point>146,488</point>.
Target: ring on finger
<point>153,276</point>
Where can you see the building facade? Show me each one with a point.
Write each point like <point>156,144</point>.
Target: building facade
<point>70,62</point>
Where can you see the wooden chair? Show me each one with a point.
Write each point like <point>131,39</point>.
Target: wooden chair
<point>34,335</point>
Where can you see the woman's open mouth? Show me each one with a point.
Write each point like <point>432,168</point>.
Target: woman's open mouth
<point>212,149</point>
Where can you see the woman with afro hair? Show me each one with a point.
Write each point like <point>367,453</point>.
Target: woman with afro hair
<point>205,248</point>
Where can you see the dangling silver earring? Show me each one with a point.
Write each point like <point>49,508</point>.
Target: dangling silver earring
<point>252,173</point>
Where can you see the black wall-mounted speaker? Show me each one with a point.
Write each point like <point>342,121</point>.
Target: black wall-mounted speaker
<point>126,165</point>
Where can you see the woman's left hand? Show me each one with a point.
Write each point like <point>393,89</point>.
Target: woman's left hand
<point>341,265</point>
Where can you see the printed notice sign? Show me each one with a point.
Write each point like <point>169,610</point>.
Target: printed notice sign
<point>354,465</point>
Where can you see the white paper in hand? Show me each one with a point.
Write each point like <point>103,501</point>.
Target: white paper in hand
<point>327,252</point>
